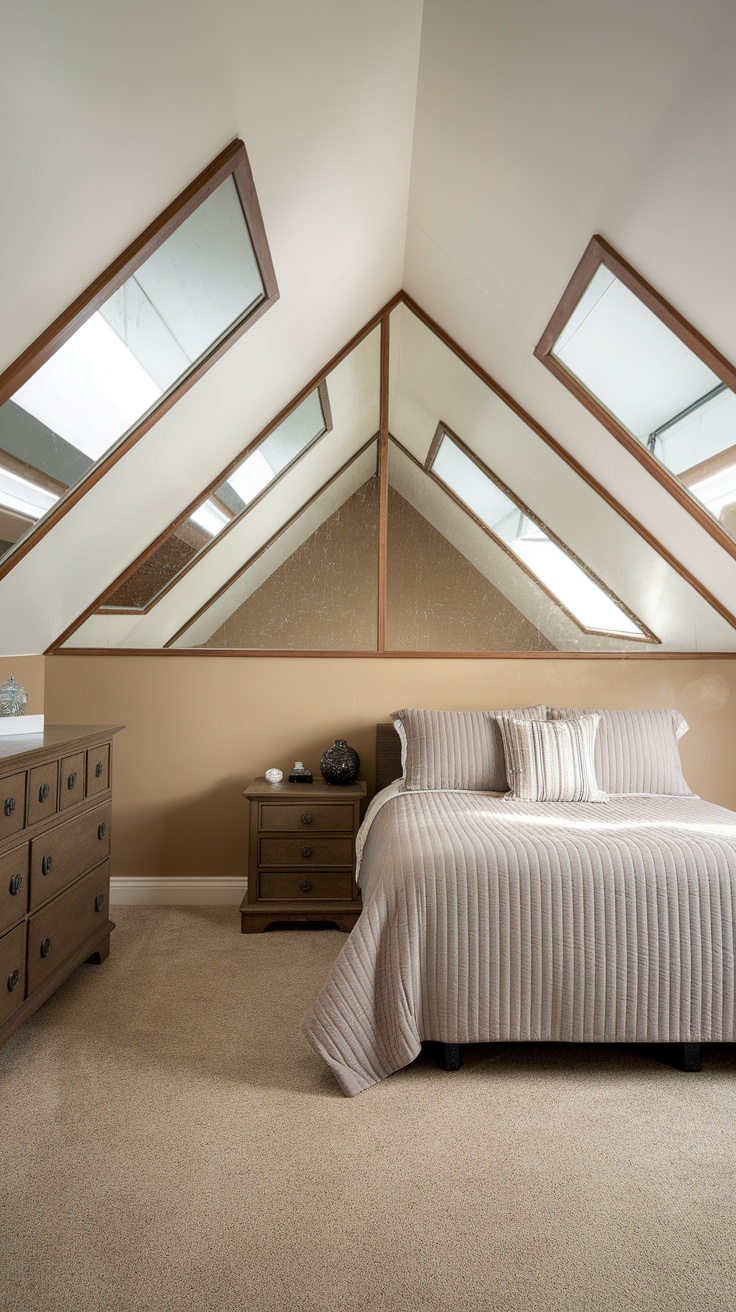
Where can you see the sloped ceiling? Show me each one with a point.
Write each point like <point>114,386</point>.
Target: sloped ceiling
<point>465,151</point>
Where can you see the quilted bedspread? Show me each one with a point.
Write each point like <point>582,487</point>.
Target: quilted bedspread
<point>491,920</point>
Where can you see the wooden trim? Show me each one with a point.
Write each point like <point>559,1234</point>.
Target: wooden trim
<point>569,459</point>
<point>15,465</point>
<point>319,380</point>
<point>210,495</point>
<point>647,634</point>
<point>383,481</point>
<point>274,538</point>
<point>403,298</point>
<point>324,400</point>
<point>434,447</point>
<point>407,655</point>
<point>707,468</point>
<point>233,161</point>
<point>598,252</point>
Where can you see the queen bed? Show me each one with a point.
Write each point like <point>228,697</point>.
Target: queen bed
<point>492,918</point>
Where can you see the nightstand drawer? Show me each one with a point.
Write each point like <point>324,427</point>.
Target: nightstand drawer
<point>330,818</point>
<point>294,886</point>
<point>306,851</point>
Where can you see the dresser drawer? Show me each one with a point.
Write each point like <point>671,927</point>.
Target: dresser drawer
<point>12,804</point>
<point>60,928</point>
<point>329,817</point>
<point>72,780</point>
<point>13,886</point>
<point>12,970</point>
<point>306,851</point>
<point>296,886</point>
<point>43,792</point>
<point>98,769</point>
<point>63,853</point>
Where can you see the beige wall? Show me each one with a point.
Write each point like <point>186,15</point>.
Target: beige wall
<point>325,596</point>
<point>437,601</point>
<point>198,728</point>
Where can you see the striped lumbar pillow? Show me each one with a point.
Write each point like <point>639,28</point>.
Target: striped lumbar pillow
<point>551,760</point>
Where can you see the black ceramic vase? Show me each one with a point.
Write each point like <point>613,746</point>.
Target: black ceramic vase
<point>339,764</point>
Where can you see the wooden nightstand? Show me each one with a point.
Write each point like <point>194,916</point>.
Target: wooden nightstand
<point>301,862</point>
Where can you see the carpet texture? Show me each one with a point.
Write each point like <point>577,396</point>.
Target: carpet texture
<point>171,1142</point>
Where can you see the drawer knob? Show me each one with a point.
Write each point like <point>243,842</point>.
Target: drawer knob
<point>71,781</point>
<point>45,946</point>
<point>305,886</point>
<point>13,980</point>
<point>10,805</point>
<point>98,770</point>
<point>102,830</point>
<point>46,864</point>
<point>307,817</point>
<point>43,792</point>
<point>16,884</point>
<point>306,851</point>
<point>99,901</point>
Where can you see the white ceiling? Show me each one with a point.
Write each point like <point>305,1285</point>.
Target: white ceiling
<point>465,151</point>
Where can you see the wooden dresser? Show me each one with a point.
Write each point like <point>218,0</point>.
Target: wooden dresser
<point>302,854</point>
<point>55,805</point>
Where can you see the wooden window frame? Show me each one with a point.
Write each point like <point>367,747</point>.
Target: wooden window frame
<point>382,317</point>
<point>598,252</point>
<point>444,430</point>
<point>100,606</point>
<point>265,651</point>
<point>231,162</point>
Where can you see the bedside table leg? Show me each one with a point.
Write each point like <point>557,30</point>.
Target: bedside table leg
<point>255,924</point>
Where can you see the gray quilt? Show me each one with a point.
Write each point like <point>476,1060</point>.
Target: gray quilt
<point>491,920</point>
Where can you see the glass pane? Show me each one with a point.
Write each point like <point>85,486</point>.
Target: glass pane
<point>656,388</point>
<point>315,585</point>
<point>447,584</point>
<point>226,504</point>
<point>130,353</point>
<point>592,607</point>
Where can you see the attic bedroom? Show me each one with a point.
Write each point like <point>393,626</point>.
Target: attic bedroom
<point>366,378</point>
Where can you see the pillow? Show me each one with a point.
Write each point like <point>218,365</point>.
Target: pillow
<point>455,749</point>
<point>551,760</point>
<point>636,751</point>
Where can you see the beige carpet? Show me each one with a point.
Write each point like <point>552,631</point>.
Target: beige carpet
<point>170,1141</point>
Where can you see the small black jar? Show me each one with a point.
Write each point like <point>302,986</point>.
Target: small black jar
<point>340,764</point>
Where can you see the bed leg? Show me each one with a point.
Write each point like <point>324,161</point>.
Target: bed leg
<point>691,1056</point>
<point>449,1056</point>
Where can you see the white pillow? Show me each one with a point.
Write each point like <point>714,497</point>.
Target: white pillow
<point>551,760</point>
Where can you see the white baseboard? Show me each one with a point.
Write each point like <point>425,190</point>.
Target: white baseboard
<point>151,891</point>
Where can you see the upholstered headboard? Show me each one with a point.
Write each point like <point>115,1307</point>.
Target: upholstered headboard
<point>388,755</point>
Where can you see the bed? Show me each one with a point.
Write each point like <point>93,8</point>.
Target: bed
<point>494,920</point>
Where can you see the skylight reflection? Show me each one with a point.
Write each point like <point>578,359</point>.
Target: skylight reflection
<point>252,476</point>
<point>91,391</point>
<point>23,496</point>
<point>209,517</point>
<point>593,608</point>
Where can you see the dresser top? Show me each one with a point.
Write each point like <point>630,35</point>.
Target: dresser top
<point>260,789</point>
<point>20,749</point>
